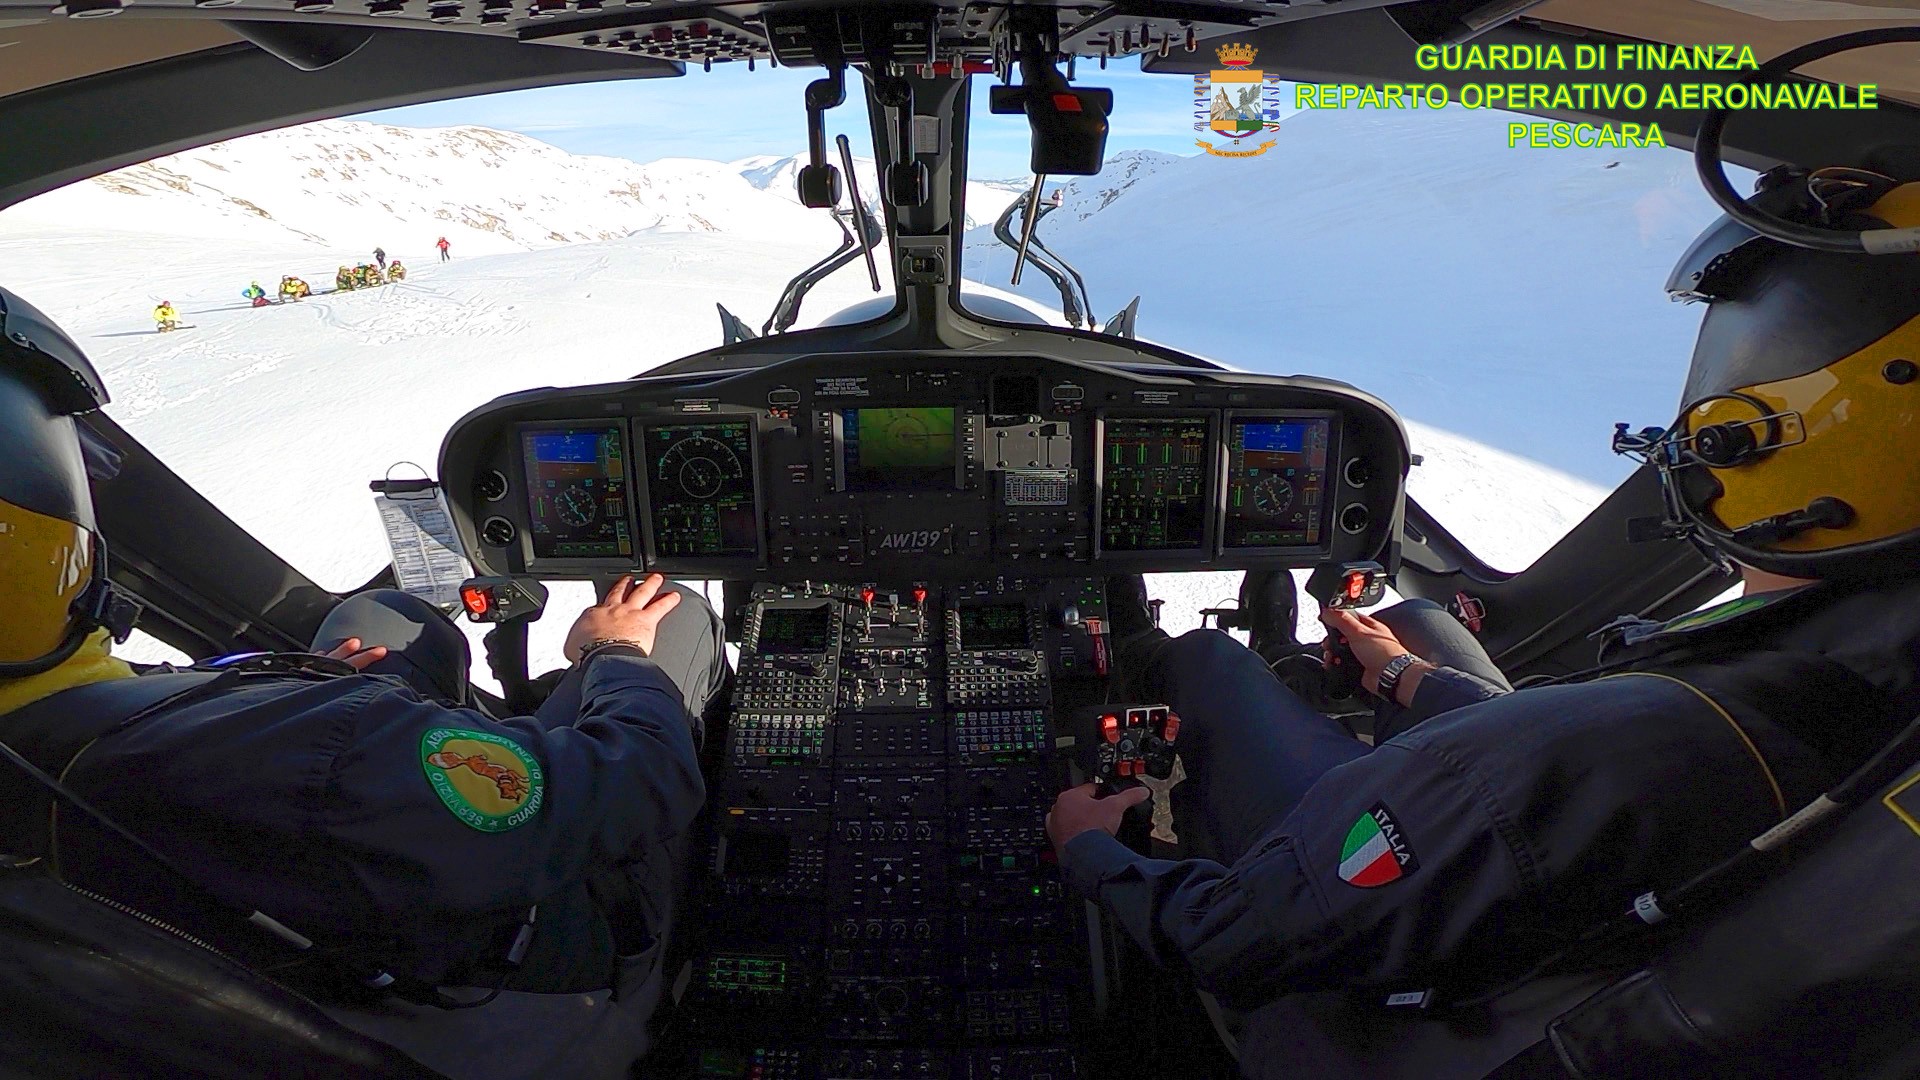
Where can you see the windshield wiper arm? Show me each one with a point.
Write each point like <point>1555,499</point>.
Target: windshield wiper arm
<point>1074,301</point>
<point>851,247</point>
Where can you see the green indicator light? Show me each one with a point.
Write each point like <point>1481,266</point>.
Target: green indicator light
<point>1036,890</point>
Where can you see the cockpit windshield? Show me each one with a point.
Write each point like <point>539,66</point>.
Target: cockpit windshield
<point>1508,302</point>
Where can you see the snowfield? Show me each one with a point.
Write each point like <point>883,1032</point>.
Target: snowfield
<point>572,270</point>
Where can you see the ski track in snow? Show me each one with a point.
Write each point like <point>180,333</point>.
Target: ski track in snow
<point>280,415</point>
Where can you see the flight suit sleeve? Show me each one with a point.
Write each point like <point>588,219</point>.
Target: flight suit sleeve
<point>449,808</point>
<point>1445,689</point>
<point>1483,839</point>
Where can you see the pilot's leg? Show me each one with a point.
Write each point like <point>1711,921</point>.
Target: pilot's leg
<point>1251,748</point>
<point>1431,633</point>
<point>689,645</point>
<point>423,645</point>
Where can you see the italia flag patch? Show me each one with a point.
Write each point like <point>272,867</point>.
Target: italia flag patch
<point>1376,851</point>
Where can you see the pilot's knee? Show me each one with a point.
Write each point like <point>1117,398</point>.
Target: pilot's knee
<point>1197,650</point>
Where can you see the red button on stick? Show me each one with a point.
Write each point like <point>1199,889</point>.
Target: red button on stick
<point>476,600</point>
<point>1066,102</point>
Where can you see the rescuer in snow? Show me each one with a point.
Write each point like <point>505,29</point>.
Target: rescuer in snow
<point>396,272</point>
<point>165,316</point>
<point>256,294</point>
<point>357,795</point>
<point>442,245</point>
<point>1491,826</point>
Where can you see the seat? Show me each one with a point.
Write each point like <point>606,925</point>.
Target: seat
<point>87,990</point>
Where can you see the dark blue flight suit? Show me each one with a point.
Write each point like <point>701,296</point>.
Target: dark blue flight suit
<point>375,813</point>
<point>1497,824</point>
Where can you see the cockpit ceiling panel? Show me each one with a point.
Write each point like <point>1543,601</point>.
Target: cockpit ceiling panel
<point>36,51</point>
<point>1770,26</point>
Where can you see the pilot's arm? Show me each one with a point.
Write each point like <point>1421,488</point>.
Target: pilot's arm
<point>471,814</point>
<point>1484,838</point>
<point>476,815</point>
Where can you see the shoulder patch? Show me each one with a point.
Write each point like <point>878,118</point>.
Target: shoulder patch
<point>489,782</point>
<point>1376,852</point>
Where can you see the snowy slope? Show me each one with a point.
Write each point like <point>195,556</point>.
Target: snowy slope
<point>1512,295</point>
<point>351,185</point>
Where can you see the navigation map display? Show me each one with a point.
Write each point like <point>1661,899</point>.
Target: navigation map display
<point>1153,485</point>
<point>1277,482</point>
<point>910,449</point>
<point>700,489</point>
<point>577,492</point>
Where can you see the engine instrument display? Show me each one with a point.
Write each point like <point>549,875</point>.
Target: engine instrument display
<point>577,492</point>
<point>700,489</point>
<point>790,630</point>
<point>1276,482</point>
<point>994,626</point>
<point>907,449</point>
<point>1154,484</point>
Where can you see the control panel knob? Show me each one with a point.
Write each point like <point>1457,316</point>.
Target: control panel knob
<point>1070,617</point>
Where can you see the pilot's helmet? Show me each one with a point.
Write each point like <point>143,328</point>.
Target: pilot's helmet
<point>1797,446</point>
<point>52,564</point>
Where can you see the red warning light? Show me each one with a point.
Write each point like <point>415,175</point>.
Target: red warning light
<point>866,597</point>
<point>1110,727</point>
<point>919,594</point>
<point>1356,584</point>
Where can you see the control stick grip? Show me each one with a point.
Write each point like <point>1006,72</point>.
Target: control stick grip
<point>1343,668</point>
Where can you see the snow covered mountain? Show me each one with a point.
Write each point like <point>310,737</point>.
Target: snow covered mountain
<point>352,185</point>
<point>985,198</point>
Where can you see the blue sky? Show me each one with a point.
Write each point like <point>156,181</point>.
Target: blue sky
<point>730,113</point>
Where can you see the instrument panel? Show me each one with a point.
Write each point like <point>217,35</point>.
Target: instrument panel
<point>939,466</point>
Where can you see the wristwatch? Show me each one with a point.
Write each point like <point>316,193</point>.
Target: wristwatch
<point>1390,675</point>
<point>597,644</point>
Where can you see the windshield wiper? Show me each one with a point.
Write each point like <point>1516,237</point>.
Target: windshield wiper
<point>851,247</point>
<point>1074,303</point>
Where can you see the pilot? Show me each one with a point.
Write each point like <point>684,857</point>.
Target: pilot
<point>421,845</point>
<point>1498,825</point>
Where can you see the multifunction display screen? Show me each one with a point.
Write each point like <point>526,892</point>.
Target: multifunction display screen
<point>700,489</point>
<point>577,492</point>
<point>1276,482</point>
<point>897,449</point>
<point>1154,485</point>
<point>788,630</point>
<point>994,626</point>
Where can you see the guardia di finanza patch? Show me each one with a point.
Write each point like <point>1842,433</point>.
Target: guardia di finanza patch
<point>489,782</point>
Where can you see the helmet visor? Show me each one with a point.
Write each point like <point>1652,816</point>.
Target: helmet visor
<point>45,565</point>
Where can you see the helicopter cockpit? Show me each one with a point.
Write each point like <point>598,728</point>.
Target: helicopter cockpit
<point>917,510</point>
<point>915,517</point>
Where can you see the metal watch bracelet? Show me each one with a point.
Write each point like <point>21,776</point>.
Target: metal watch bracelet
<point>597,644</point>
<point>1389,680</point>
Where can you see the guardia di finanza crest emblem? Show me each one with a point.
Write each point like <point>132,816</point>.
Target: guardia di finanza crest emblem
<point>1235,101</point>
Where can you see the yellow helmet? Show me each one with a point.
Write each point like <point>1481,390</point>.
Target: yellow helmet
<point>53,583</point>
<point>1797,446</point>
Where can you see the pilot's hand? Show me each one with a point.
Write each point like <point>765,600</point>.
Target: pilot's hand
<point>360,658</point>
<point>631,611</point>
<point>1373,644</point>
<point>1078,810</point>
